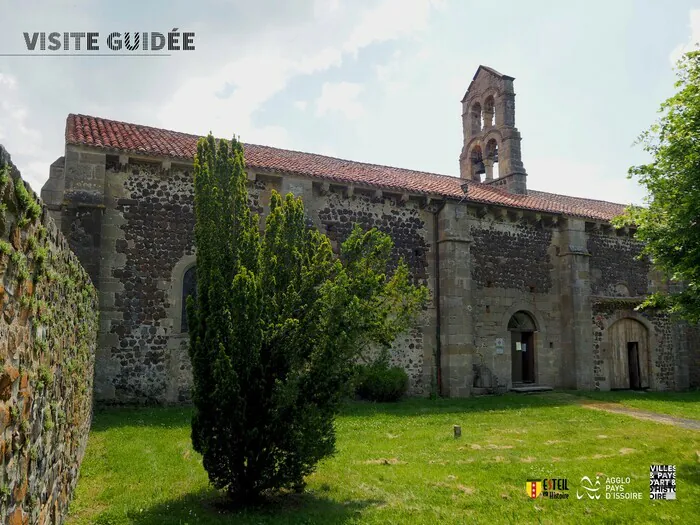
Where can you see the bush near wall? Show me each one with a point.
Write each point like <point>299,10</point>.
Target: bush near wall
<point>379,381</point>
<point>48,336</point>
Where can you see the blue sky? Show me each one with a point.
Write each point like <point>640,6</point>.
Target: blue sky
<point>370,80</point>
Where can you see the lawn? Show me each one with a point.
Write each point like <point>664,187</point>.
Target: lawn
<point>399,463</point>
<point>679,404</point>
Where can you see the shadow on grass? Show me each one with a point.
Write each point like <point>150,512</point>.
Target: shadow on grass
<point>495,403</point>
<point>208,507</point>
<point>177,417</point>
<point>107,417</point>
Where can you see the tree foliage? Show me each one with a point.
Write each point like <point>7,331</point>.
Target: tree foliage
<point>669,224</point>
<point>276,328</point>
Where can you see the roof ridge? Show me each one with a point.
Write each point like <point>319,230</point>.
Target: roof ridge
<point>83,115</point>
<point>193,135</point>
<point>579,198</point>
<point>140,139</point>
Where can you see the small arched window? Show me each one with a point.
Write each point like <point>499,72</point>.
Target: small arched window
<point>189,287</point>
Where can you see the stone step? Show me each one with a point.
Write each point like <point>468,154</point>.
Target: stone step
<point>530,389</point>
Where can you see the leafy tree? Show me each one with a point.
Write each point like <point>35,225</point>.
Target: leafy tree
<point>669,224</point>
<point>276,328</point>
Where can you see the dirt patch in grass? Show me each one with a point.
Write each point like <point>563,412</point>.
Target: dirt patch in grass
<point>384,461</point>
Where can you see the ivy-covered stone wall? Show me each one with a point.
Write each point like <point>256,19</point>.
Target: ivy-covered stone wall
<point>48,336</point>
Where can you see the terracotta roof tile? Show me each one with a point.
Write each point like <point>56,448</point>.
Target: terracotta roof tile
<point>133,138</point>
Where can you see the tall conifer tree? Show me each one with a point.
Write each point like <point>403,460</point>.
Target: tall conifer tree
<point>276,327</point>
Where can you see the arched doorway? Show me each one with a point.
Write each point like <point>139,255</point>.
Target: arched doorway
<point>522,330</point>
<point>629,344</point>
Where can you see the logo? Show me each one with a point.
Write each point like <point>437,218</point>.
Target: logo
<point>590,489</point>
<point>615,488</point>
<point>533,488</point>
<point>552,488</point>
<point>662,482</point>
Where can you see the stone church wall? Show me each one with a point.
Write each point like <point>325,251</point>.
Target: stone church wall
<point>616,270</point>
<point>146,241</point>
<point>513,268</point>
<point>48,335</point>
<point>493,262</point>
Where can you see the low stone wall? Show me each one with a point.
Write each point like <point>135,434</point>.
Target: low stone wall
<point>48,335</point>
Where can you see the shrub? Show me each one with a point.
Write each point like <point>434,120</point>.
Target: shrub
<point>380,382</point>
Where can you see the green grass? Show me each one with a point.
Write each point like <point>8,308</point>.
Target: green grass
<point>679,404</point>
<point>400,464</point>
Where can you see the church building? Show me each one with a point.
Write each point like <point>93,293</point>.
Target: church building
<point>529,289</point>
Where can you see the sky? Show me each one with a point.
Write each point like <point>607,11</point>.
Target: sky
<point>376,81</point>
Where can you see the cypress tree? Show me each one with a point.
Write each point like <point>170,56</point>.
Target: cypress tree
<point>276,327</point>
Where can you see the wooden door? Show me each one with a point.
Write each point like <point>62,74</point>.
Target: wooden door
<point>516,358</point>
<point>523,360</point>
<point>629,339</point>
<point>528,342</point>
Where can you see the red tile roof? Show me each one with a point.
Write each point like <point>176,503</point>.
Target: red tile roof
<point>133,138</point>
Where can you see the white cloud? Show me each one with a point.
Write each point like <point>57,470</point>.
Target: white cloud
<point>580,178</point>
<point>265,74</point>
<point>23,142</point>
<point>390,20</point>
<point>266,67</point>
<point>340,97</point>
<point>389,74</point>
<point>7,81</point>
<point>263,49</point>
<point>325,8</point>
<point>693,42</point>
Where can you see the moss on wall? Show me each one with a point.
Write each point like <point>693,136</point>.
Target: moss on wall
<point>48,335</point>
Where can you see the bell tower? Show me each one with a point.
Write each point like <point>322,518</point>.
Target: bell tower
<point>491,150</point>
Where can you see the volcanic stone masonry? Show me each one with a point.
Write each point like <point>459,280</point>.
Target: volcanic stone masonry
<point>48,337</point>
<point>528,288</point>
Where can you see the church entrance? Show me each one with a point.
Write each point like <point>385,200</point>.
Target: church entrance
<point>522,336</point>
<point>629,342</point>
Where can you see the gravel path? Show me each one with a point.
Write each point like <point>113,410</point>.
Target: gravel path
<point>690,424</point>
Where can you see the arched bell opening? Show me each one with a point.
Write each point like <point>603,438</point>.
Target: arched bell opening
<point>489,112</point>
<point>491,160</point>
<point>476,118</point>
<point>476,163</point>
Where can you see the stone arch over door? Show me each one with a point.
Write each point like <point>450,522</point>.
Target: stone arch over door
<point>629,364</point>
